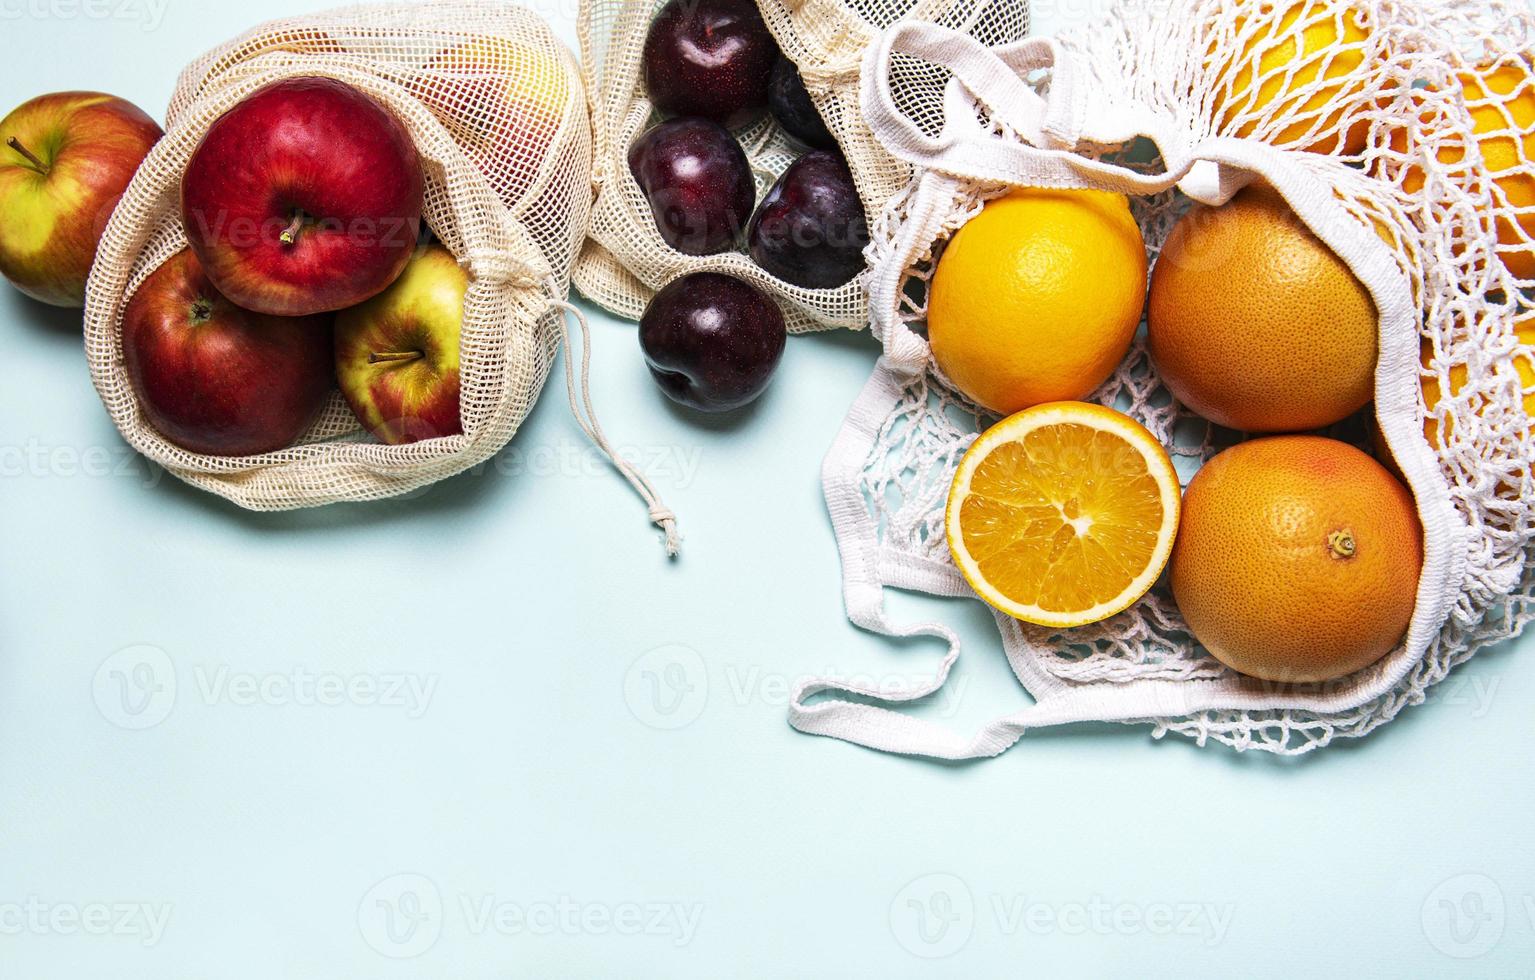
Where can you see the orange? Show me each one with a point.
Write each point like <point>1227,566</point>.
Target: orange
<point>1502,102</point>
<point>1037,298</point>
<point>1500,97</point>
<point>1313,45</point>
<point>1524,363</point>
<point>1297,560</point>
<point>1255,324</point>
<point>1063,514</point>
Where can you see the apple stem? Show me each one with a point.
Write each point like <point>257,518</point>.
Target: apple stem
<point>16,145</point>
<point>290,234</point>
<point>394,356</point>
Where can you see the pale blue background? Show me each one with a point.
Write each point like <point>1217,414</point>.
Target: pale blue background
<point>271,826</point>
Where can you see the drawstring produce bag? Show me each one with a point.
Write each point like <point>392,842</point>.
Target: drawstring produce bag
<point>495,106</point>
<point>1439,229</point>
<point>625,259</point>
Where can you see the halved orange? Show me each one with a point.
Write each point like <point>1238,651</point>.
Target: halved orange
<point>1063,514</point>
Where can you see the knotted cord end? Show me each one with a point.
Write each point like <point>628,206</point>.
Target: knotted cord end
<point>578,386</point>
<point>667,522</point>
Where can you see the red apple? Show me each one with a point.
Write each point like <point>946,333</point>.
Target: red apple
<point>303,198</point>
<point>397,354</point>
<point>65,160</point>
<point>216,379</point>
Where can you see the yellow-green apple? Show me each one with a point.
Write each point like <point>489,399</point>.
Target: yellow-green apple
<point>303,198</point>
<point>503,100</point>
<point>397,354</point>
<point>65,160</point>
<point>214,378</point>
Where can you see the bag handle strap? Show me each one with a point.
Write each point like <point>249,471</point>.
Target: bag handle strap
<point>1050,129</point>
<point>876,727</point>
<point>869,724</point>
<point>991,76</point>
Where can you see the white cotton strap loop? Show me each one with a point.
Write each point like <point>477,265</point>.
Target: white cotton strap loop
<point>1050,129</point>
<point>579,389</point>
<point>975,69</point>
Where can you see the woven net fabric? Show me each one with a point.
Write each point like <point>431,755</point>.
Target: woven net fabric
<point>495,105</point>
<point>1419,176</point>
<point>625,260</point>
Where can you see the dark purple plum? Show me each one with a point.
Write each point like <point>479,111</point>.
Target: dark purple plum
<point>712,341</point>
<point>810,230</point>
<point>709,58</point>
<point>791,106</point>
<point>698,183</point>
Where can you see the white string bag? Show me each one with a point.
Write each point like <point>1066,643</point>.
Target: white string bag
<point>626,260</point>
<point>1050,113</point>
<point>505,146</point>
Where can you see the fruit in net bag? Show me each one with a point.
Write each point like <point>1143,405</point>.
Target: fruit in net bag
<point>343,167</point>
<point>1502,101</point>
<point>698,182</point>
<point>303,198</point>
<point>214,378</point>
<point>1500,98</point>
<point>1255,324</point>
<point>1297,560</point>
<point>792,106</point>
<point>300,40</point>
<point>810,229</point>
<point>1037,298</point>
<point>65,160</point>
<point>397,353</point>
<point>503,100</point>
<point>1306,65</point>
<point>1063,514</point>
<point>709,58</point>
<point>712,341</point>
<point>1433,391</point>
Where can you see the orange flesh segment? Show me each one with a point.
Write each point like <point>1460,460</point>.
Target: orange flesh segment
<point>1065,520</point>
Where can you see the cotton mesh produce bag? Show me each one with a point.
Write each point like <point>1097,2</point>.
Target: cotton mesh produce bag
<point>505,146</point>
<point>1422,217</point>
<point>625,260</point>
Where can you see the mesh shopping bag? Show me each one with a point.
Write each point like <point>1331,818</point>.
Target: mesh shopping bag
<point>495,106</point>
<point>1397,181</point>
<point>625,260</point>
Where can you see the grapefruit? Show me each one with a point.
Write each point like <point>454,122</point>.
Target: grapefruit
<point>1255,324</point>
<point>1297,559</point>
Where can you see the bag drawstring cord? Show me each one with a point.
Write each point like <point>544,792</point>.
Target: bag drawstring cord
<point>586,417</point>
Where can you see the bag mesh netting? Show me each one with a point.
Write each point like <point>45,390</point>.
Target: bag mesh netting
<point>495,105</point>
<point>625,260</point>
<point>1425,188</point>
